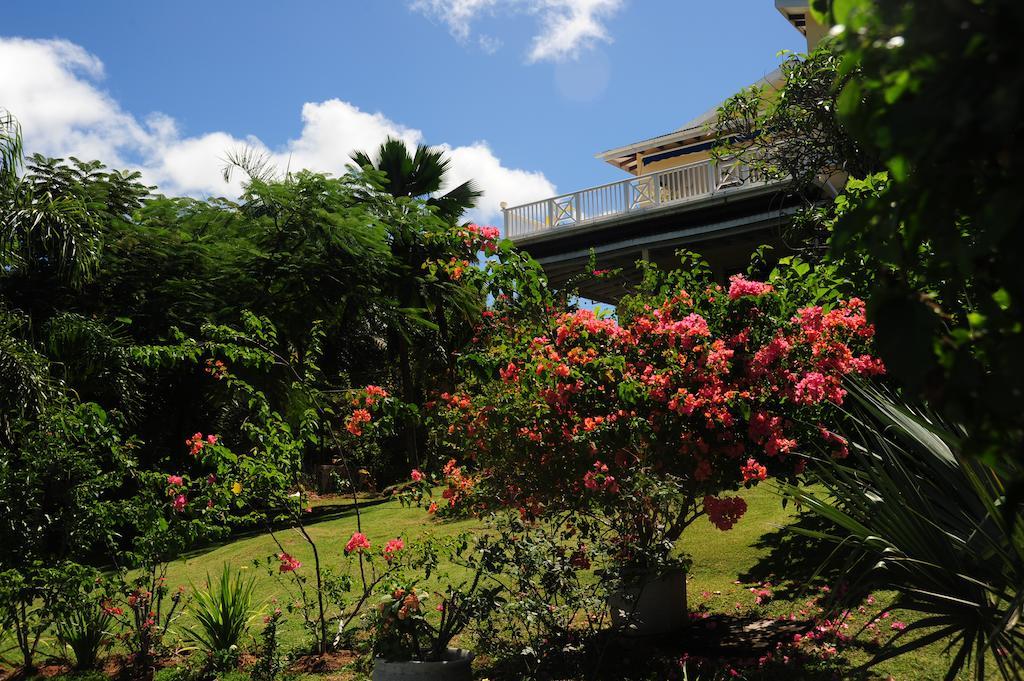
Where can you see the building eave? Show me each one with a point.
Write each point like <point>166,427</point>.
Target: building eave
<point>694,130</point>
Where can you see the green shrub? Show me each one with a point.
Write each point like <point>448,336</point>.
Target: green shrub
<point>269,662</point>
<point>85,631</point>
<point>223,614</point>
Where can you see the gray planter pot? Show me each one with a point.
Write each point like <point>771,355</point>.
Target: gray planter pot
<point>651,604</point>
<point>456,666</point>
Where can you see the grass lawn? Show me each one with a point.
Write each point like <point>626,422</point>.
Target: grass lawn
<point>754,551</point>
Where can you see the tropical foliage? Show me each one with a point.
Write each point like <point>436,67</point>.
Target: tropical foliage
<point>173,370</point>
<point>930,523</point>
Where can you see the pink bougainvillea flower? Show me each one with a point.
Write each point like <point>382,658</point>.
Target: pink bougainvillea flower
<point>179,503</point>
<point>739,287</point>
<point>754,471</point>
<point>358,542</point>
<point>197,442</point>
<point>288,563</point>
<point>392,547</point>
<point>416,475</point>
<point>724,512</point>
<point>355,422</point>
<point>175,480</point>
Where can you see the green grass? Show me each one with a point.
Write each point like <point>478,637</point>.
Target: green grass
<point>719,560</point>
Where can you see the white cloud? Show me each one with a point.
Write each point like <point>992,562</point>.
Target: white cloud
<point>565,27</point>
<point>53,90</point>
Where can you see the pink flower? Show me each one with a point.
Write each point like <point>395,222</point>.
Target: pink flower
<point>288,563</point>
<point>753,471</point>
<point>358,542</point>
<point>355,422</point>
<point>392,547</point>
<point>416,475</point>
<point>740,287</point>
<point>179,503</point>
<point>175,480</point>
<point>724,512</point>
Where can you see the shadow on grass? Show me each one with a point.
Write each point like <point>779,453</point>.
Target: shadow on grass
<point>720,647</point>
<point>320,514</point>
<point>795,563</point>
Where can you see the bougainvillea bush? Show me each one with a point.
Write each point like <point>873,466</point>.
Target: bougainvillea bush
<point>647,422</point>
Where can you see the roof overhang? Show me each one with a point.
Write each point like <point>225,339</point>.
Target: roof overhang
<point>795,13</point>
<point>699,129</point>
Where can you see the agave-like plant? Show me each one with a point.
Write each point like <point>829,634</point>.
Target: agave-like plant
<point>931,524</point>
<point>223,613</point>
<point>85,631</point>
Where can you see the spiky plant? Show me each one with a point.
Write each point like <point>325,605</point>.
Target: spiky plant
<point>223,613</point>
<point>84,631</point>
<point>931,524</point>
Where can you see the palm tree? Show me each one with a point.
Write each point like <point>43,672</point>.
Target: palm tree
<point>420,175</point>
<point>418,304</point>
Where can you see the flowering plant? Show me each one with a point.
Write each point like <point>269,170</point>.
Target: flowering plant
<point>645,421</point>
<point>413,622</point>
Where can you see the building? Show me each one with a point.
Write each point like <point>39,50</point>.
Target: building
<point>676,196</point>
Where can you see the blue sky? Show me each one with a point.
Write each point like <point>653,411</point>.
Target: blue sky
<point>526,91</point>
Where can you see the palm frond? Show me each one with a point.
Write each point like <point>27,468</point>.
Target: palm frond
<point>11,150</point>
<point>931,524</point>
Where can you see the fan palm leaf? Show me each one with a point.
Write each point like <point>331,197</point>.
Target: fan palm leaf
<point>421,174</point>
<point>931,524</point>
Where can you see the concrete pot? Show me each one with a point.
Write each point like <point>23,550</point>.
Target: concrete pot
<point>456,665</point>
<point>650,604</point>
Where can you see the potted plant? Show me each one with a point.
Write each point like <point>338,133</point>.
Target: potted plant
<point>413,626</point>
<point>645,576</point>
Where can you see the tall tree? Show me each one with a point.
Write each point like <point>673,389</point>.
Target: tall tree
<point>422,302</point>
<point>940,100</point>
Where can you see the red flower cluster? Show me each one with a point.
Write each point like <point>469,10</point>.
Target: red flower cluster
<point>482,238</point>
<point>358,543</point>
<point>216,368</point>
<point>703,389</point>
<point>392,548</point>
<point>724,512</point>
<point>197,442</point>
<point>740,287</point>
<point>354,423</point>
<point>599,480</point>
<point>838,442</point>
<point>288,563</point>
<point>459,483</point>
<point>753,471</point>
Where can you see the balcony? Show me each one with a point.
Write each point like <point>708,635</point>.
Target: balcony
<point>641,194</point>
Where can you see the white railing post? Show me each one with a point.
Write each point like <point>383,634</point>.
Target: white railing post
<point>712,177</point>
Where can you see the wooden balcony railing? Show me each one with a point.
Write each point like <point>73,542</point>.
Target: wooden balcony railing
<point>637,194</point>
